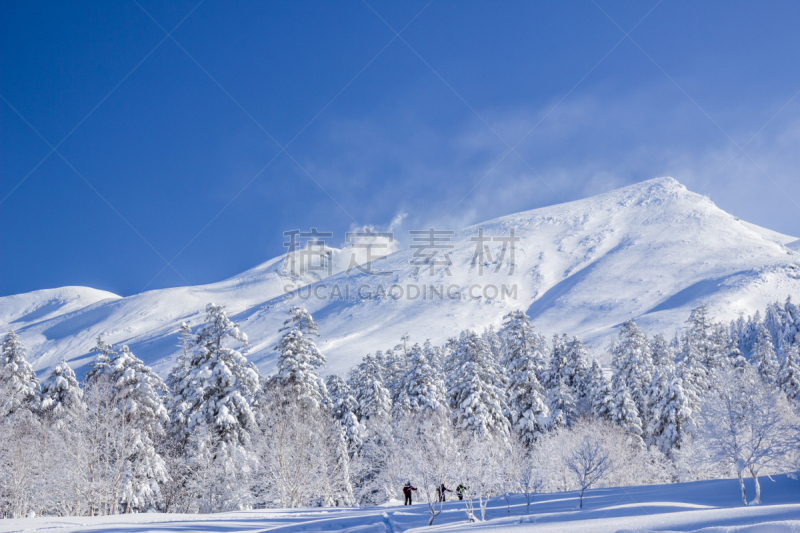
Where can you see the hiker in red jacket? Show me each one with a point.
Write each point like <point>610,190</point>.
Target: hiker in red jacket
<point>441,490</point>
<point>407,492</point>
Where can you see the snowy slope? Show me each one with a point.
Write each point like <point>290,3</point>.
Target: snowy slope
<point>707,506</point>
<point>650,251</point>
<point>22,310</point>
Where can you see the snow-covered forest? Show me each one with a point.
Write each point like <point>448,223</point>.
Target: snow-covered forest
<point>497,412</point>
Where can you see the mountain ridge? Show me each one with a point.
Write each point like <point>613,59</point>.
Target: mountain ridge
<point>649,251</point>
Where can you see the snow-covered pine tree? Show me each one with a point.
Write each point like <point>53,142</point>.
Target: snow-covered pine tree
<point>344,408</point>
<point>219,386</point>
<point>557,365</point>
<point>726,348</point>
<point>749,334</point>
<point>632,365</point>
<point>298,360</point>
<point>699,344</point>
<point>374,399</point>
<point>138,394</point>
<point>562,405</point>
<point>577,369</point>
<point>395,366</point>
<point>434,355</point>
<point>20,391</point>
<point>625,413</point>
<point>789,372</point>
<point>526,402</point>
<point>422,387</point>
<point>661,351</point>
<point>62,397</point>
<point>600,394</point>
<point>671,416</point>
<point>774,322</point>
<point>791,323</point>
<point>100,364</point>
<point>177,384</point>
<point>763,357</point>
<point>478,404</point>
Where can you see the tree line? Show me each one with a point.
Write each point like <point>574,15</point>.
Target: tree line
<point>498,411</point>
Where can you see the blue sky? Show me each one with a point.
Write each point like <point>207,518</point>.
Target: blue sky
<point>198,148</point>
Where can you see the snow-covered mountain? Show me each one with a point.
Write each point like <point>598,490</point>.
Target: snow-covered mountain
<point>650,251</point>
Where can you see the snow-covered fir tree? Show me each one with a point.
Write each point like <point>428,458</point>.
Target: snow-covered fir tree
<point>632,365</point>
<point>62,397</point>
<point>19,388</point>
<point>562,405</point>
<point>600,394</point>
<point>299,358</point>
<point>671,417</point>
<point>373,397</point>
<point>422,387</point>
<point>518,336</point>
<point>104,354</point>
<point>763,356</point>
<point>625,413</point>
<point>478,404</point>
<point>138,393</point>
<point>523,363</point>
<point>661,351</point>
<point>577,369</point>
<point>789,372</point>
<point>344,407</point>
<point>176,382</point>
<point>219,386</point>
<point>774,322</point>
<point>557,366</point>
<point>435,356</point>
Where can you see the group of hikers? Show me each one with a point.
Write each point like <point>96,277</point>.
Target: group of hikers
<point>441,490</point>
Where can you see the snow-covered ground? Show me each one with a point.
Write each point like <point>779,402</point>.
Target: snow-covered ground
<point>651,252</point>
<point>707,506</point>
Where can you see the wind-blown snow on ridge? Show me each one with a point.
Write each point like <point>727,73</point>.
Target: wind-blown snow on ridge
<point>650,251</point>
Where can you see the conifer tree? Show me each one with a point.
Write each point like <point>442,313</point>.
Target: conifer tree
<point>600,394</point>
<point>557,366</point>
<point>299,358</point>
<point>632,365</point>
<point>20,391</point>
<point>625,414</point>
<point>671,416</point>
<point>219,386</point>
<point>373,398</point>
<point>562,405</point>
<point>478,404</point>
<point>62,397</point>
<point>138,394</point>
<point>661,351</point>
<point>344,407</point>
<point>176,384</point>
<point>100,364</point>
<point>763,357</point>
<point>576,373</point>
<point>422,387</point>
<point>522,361</point>
<point>789,372</point>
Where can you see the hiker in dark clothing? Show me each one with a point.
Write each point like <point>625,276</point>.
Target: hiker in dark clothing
<point>407,492</point>
<point>460,490</point>
<point>441,490</point>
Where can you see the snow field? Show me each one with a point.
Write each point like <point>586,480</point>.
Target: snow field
<point>703,506</point>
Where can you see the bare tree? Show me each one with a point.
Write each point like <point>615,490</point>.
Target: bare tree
<point>429,445</point>
<point>747,423</point>
<point>590,462</point>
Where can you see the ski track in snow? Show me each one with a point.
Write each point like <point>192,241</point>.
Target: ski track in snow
<point>651,251</point>
<point>704,506</point>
